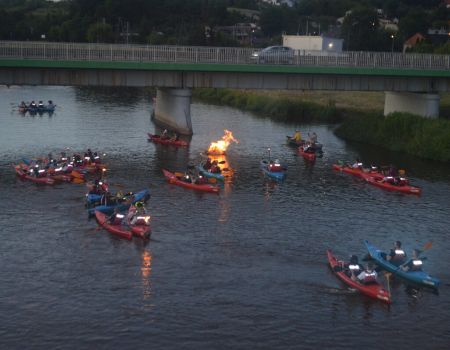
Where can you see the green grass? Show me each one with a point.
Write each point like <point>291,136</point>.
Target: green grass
<point>280,108</point>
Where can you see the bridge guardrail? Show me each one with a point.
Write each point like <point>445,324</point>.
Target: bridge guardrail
<point>213,55</point>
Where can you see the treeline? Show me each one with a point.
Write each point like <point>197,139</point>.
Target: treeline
<point>192,22</point>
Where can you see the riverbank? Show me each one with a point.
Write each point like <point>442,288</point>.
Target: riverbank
<point>422,137</point>
<point>359,115</point>
<point>279,107</point>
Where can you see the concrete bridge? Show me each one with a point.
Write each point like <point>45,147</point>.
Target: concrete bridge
<point>411,81</point>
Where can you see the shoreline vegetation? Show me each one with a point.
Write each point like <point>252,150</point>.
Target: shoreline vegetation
<point>358,116</point>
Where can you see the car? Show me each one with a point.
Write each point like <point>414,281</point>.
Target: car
<point>274,54</point>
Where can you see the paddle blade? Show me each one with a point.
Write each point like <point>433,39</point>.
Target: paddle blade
<point>427,245</point>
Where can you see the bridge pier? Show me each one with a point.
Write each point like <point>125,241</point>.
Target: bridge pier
<point>423,104</point>
<point>173,109</point>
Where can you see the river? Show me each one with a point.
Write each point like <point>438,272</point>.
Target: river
<point>245,269</point>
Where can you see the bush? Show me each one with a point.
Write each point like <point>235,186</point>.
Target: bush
<point>423,137</point>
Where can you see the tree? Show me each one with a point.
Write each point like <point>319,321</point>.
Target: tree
<point>100,32</point>
<point>360,30</point>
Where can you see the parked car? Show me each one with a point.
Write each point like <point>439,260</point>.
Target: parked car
<point>275,55</point>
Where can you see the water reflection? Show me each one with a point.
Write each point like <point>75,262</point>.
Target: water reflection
<point>146,270</point>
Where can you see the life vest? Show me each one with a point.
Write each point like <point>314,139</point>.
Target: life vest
<point>275,167</point>
<point>354,267</point>
<point>399,254</point>
<point>369,277</point>
<point>118,219</point>
<point>142,220</point>
<point>416,265</point>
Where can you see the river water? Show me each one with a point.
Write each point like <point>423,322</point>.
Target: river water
<point>245,269</point>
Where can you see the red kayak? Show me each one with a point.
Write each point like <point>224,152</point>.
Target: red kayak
<point>403,187</point>
<point>158,139</point>
<point>307,155</point>
<point>356,171</point>
<point>41,180</point>
<point>141,227</point>
<point>372,290</point>
<point>118,230</point>
<point>172,179</point>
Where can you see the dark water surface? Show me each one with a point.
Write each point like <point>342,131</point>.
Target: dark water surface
<point>242,270</point>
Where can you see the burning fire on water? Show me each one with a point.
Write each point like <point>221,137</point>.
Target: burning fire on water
<point>220,147</point>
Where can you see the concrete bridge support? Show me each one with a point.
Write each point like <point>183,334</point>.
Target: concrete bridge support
<point>426,105</point>
<point>173,109</point>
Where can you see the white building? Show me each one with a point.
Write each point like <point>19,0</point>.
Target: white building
<point>313,43</point>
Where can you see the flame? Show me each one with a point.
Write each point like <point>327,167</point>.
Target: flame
<point>220,147</point>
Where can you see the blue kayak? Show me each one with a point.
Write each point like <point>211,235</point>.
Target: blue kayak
<point>276,175</point>
<point>208,174</point>
<point>417,277</point>
<point>143,195</point>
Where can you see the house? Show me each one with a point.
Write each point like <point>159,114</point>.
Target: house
<point>412,41</point>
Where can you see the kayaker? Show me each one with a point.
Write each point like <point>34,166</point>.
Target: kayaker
<point>353,267</point>
<point>368,275</point>
<point>307,148</point>
<point>174,137</point>
<point>40,104</point>
<point>312,137</point>
<point>215,168</point>
<point>357,164</point>
<point>275,166</point>
<point>90,155</point>
<point>22,105</point>
<point>116,218</point>
<point>397,255</point>
<point>415,263</point>
<point>297,136</point>
<point>165,134</point>
<point>207,164</point>
<point>201,180</point>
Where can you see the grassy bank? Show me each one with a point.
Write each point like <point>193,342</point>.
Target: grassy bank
<point>422,137</point>
<point>283,108</point>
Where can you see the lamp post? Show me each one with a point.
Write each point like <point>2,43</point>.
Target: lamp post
<point>392,46</point>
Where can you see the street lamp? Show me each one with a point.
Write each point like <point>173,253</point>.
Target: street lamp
<point>392,46</point>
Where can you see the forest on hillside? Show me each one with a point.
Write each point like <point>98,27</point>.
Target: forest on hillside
<point>193,22</point>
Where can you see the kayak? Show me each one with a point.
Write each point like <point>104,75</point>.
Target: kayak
<point>417,277</point>
<point>277,175</point>
<point>172,179</point>
<point>306,155</point>
<point>143,195</point>
<point>158,139</point>
<point>372,290</point>
<point>118,230</point>
<point>46,180</point>
<point>208,174</point>
<point>140,229</point>
<point>356,171</point>
<point>379,182</point>
<point>293,143</point>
